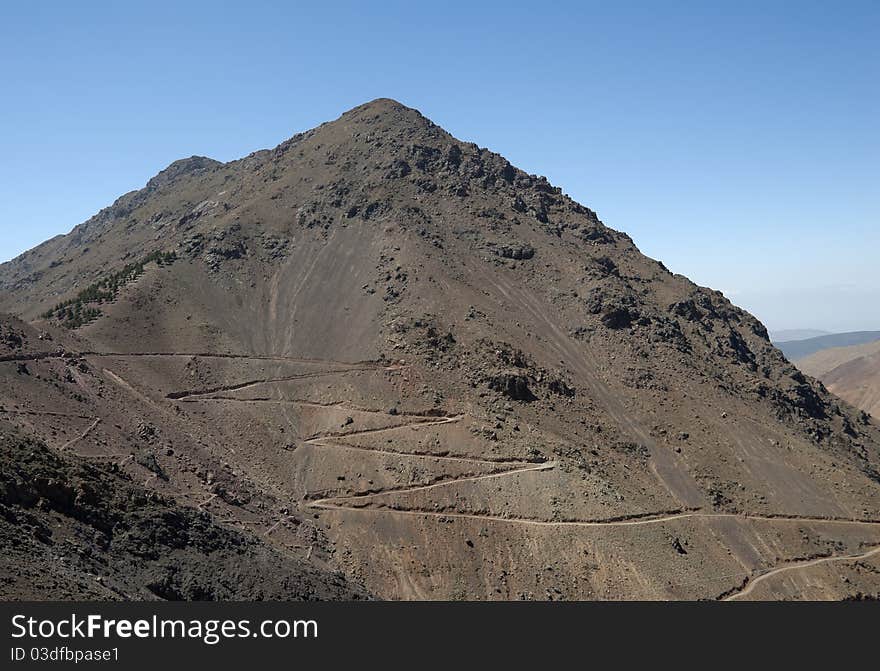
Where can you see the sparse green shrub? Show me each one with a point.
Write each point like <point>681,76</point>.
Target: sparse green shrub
<point>80,309</point>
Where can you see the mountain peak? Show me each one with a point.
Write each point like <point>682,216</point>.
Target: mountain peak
<point>382,106</point>
<point>180,168</point>
<point>386,111</point>
<point>417,344</point>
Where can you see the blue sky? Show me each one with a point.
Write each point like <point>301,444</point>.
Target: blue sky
<point>738,142</point>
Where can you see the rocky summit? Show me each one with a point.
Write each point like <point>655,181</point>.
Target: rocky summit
<point>379,362</point>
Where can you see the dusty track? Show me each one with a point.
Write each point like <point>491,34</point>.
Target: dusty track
<point>365,503</point>
<point>499,467</point>
<point>518,467</point>
<point>750,585</point>
<point>321,442</point>
<point>206,355</point>
<point>72,442</point>
<point>641,519</point>
<point>419,421</point>
<point>34,356</point>
<point>328,502</point>
<point>197,393</point>
<point>44,413</point>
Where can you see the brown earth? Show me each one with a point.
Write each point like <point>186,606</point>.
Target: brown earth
<point>86,510</point>
<point>853,373</point>
<point>391,354</point>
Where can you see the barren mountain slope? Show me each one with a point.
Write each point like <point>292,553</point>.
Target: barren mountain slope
<point>459,378</point>
<point>822,363</point>
<point>88,488</point>
<point>853,373</point>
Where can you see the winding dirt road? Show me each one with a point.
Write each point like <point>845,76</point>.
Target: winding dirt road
<point>197,393</point>
<point>751,584</point>
<point>366,502</point>
<point>517,467</point>
<point>73,441</point>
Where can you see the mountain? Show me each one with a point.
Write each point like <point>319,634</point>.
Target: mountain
<point>853,373</point>
<point>796,334</point>
<point>798,349</point>
<point>87,510</point>
<point>428,374</point>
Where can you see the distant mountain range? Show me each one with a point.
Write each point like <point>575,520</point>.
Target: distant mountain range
<point>796,334</point>
<point>853,373</point>
<point>795,349</point>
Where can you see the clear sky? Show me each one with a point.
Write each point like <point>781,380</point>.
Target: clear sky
<point>738,142</point>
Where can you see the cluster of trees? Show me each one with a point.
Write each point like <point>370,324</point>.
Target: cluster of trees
<point>80,309</point>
